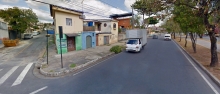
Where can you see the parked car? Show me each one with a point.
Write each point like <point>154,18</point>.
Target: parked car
<point>155,37</point>
<point>38,32</point>
<point>35,33</point>
<point>167,37</point>
<point>28,36</point>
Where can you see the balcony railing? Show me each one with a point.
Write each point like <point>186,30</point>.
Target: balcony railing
<point>88,28</point>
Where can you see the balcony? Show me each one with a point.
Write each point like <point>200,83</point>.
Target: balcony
<point>89,28</point>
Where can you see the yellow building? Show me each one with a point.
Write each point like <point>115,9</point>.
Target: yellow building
<point>69,19</point>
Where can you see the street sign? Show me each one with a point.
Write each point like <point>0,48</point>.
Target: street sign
<point>50,32</point>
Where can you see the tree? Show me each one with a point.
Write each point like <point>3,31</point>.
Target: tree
<point>208,11</point>
<point>137,20</point>
<point>148,7</point>
<point>19,19</point>
<point>152,20</point>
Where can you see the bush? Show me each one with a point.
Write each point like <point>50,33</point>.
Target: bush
<point>116,49</point>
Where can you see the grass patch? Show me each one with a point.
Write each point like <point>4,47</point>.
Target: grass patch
<point>51,71</point>
<point>72,65</point>
<point>44,66</point>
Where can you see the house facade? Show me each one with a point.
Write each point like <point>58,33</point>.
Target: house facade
<point>3,30</point>
<point>106,30</point>
<point>124,23</point>
<point>73,29</point>
<point>72,26</point>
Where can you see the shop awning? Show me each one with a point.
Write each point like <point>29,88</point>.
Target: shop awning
<point>72,34</point>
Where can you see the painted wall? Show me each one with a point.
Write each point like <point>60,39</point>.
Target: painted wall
<point>3,30</point>
<point>101,38</point>
<point>107,28</point>
<point>124,22</point>
<point>78,41</point>
<point>114,36</point>
<point>84,35</point>
<point>60,20</point>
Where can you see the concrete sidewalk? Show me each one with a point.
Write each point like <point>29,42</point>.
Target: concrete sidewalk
<point>206,43</point>
<point>80,58</point>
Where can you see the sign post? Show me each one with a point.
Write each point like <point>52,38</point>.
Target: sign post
<point>48,35</point>
<point>61,36</point>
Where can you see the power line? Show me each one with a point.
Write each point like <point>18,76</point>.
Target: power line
<point>88,9</point>
<point>58,5</point>
<point>110,5</point>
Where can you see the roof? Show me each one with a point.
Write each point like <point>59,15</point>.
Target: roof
<point>63,8</point>
<point>98,20</point>
<point>120,15</point>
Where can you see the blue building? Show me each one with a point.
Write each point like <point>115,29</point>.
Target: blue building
<point>88,39</point>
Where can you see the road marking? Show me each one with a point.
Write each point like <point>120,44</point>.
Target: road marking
<point>210,85</point>
<point>18,52</point>
<point>2,80</point>
<point>96,64</point>
<point>22,75</point>
<point>1,69</point>
<point>38,90</point>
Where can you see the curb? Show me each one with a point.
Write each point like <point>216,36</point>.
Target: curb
<point>67,71</point>
<point>201,66</point>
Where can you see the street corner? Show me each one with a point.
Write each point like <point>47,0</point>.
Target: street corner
<point>72,67</point>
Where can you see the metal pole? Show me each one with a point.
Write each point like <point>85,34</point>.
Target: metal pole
<point>47,47</point>
<point>61,54</point>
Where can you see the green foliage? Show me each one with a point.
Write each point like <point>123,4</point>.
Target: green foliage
<point>36,27</point>
<point>188,20</point>
<point>116,49</point>
<point>19,19</point>
<point>72,65</point>
<point>152,20</point>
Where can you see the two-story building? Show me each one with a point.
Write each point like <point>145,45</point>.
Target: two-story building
<point>72,24</point>
<point>106,30</point>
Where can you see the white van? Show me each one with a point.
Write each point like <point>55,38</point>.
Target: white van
<point>35,33</point>
<point>167,37</point>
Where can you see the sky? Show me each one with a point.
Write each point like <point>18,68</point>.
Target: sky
<point>93,9</point>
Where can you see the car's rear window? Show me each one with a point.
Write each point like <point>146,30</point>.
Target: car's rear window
<point>132,42</point>
<point>167,36</point>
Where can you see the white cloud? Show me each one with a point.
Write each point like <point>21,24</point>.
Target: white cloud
<point>10,1</point>
<point>90,7</point>
<point>128,3</point>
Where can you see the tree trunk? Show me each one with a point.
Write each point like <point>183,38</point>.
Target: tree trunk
<point>214,54</point>
<point>193,37</point>
<point>174,35</point>
<point>180,37</point>
<point>186,39</point>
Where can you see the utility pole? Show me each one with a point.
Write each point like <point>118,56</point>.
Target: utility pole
<point>132,17</point>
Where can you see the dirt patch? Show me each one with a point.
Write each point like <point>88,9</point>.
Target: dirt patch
<point>203,56</point>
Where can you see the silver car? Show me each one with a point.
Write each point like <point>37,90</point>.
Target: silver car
<point>28,36</point>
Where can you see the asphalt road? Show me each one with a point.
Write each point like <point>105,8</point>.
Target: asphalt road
<point>161,68</point>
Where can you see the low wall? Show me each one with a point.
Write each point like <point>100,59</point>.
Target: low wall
<point>121,37</point>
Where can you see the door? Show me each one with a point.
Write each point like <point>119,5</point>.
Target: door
<point>106,40</point>
<point>88,42</point>
<point>97,40</point>
<point>71,44</point>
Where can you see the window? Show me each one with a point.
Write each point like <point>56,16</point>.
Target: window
<point>132,42</point>
<point>105,24</point>
<point>114,25</point>
<point>68,21</point>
